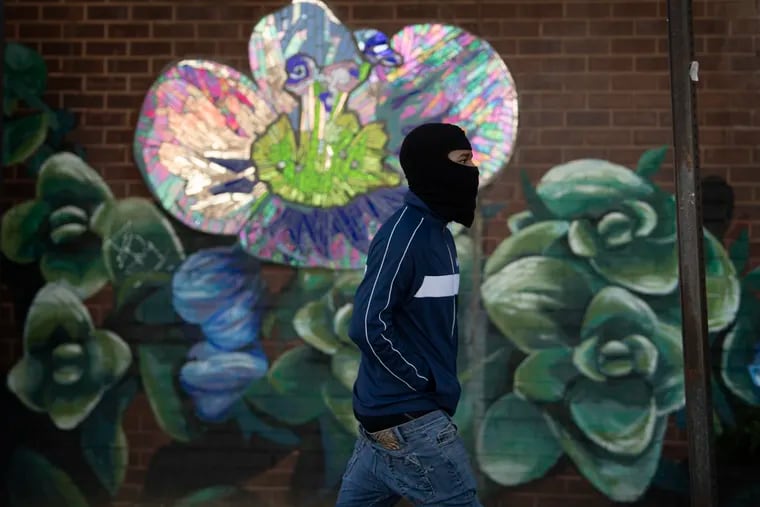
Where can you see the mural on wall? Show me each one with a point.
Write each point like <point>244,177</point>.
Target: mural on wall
<point>32,130</point>
<point>581,334</point>
<point>299,159</point>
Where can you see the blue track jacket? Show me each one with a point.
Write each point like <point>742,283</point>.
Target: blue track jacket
<point>404,317</point>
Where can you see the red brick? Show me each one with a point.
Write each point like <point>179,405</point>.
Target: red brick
<point>106,48</point>
<point>564,28</point>
<point>17,13</point>
<point>561,137</point>
<point>652,137</point>
<point>127,66</point>
<point>516,28</point>
<point>588,118</point>
<point>107,12</point>
<point>40,31</point>
<point>655,27</point>
<point>82,100</point>
<point>496,10</point>
<point>638,9</point>
<point>82,66</point>
<point>128,30</point>
<point>709,27</point>
<point>62,13</point>
<point>634,118</point>
<point>105,84</point>
<point>373,12</point>
<point>150,48</point>
<point>216,31</point>
<point>563,64</point>
<point>153,12</point>
<point>652,64</point>
<point>539,46</point>
<point>730,45</point>
<point>173,31</point>
<point>539,10</point>
<point>61,48</point>
<point>417,12</point>
<point>588,10</point>
<point>610,63</point>
<point>588,82</point>
<point>610,100</point>
<point>617,28</point>
<point>585,46</point>
<point>84,30</point>
<point>633,45</point>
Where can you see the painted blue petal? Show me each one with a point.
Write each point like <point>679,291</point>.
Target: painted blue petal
<point>240,185</point>
<point>236,324</point>
<point>210,279</point>
<point>754,368</point>
<point>216,381</point>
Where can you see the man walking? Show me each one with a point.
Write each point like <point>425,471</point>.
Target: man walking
<point>404,322</point>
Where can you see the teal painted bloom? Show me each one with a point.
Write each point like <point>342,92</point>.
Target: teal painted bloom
<point>67,364</point>
<point>57,228</point>
<point>600,376</point>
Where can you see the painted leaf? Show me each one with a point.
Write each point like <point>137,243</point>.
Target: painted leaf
<point>21,240</point>
<point>66,179</point>
<point>339,401</point>
<point>589,187</point>
<point>622,480</point>
<point>627,426</point>
<point>82,268</point>
<point>250,425</point>
<point>668,379</point>
<point>646,267</point>
<point>104,443</point>
<point>345,366</point>
<point>613,304</point>
<point>544,375</point>
<point>651,161</point>
<point>139,239</point>
<point>33,481</point>
<point>739,350</point>
<point>22,137</point>
<point>537,302</point>
<point>25,68</point>
<point>206,496</point>
<point>721,285</point>
<point>159,366</point>
<point>313,324</point>
<point>532,240</point>
<point>338,446</point>
<point>515,445</point>
<point>297,377</point>
<point>739,252</point>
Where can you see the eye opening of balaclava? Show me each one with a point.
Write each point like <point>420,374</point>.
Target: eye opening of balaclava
<point>448,188</point>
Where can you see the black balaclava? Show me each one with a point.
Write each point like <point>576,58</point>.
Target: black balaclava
<point>449,189</point>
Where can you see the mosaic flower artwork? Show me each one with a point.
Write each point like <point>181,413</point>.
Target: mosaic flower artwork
<point>299,159</point>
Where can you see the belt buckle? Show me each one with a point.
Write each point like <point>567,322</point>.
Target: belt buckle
<point>387,438</point>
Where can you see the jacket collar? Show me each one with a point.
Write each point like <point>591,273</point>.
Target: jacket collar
<point>411,199</point>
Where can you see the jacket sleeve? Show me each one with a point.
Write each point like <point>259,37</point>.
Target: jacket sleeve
<point>386,284</point>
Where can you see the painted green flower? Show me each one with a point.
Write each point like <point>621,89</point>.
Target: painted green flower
<point>600,376</point>
<point>618,220</point>
<point>67,364</point>
<point>56,228</point>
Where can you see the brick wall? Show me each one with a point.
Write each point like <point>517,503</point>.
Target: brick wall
<point>592,78</point>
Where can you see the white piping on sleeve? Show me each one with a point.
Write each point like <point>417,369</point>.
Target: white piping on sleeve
<point>372,293</point>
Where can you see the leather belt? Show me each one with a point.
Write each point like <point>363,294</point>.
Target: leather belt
<point>387,439</point>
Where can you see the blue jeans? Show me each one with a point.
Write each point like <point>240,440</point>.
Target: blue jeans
<point>430,468</point>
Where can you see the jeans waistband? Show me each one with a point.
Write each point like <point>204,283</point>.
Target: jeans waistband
<point>406,431</point>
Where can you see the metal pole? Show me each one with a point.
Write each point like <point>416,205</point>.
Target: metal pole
<point>690,257</point>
